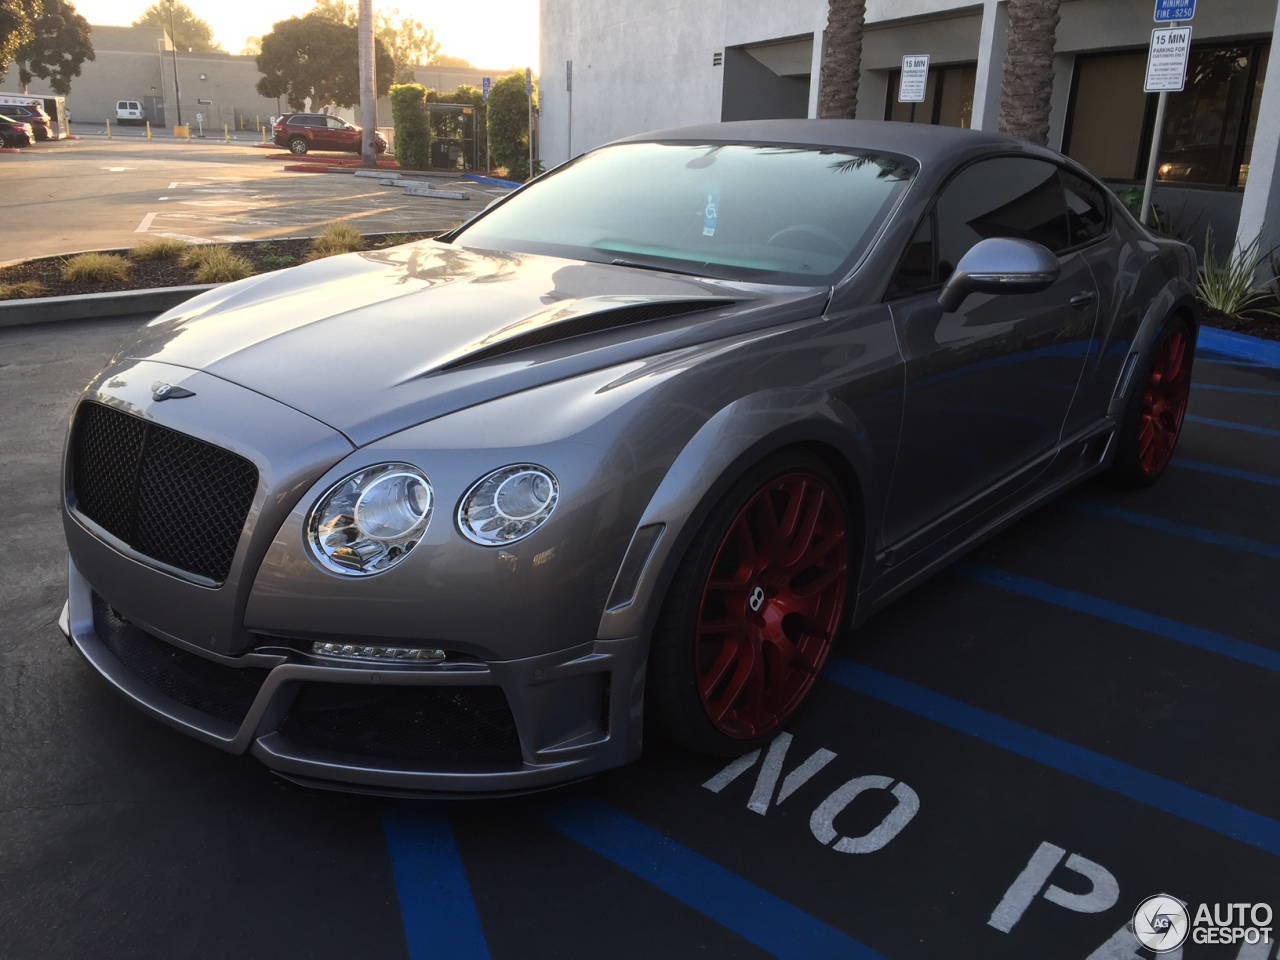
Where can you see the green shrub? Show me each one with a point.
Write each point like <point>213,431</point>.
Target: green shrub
<point>412,132</point>
<point>161,248</point>
<point>21,290</point>
<point>1229,285</point>
<point>337,237</point>
<point>96,267</point>
<point>278,260</point>
<point>220,265</point>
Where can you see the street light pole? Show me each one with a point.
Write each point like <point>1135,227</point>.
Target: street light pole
<point>173,40</point>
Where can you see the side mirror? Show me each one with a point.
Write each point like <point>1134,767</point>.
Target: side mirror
<point>1000,265</point>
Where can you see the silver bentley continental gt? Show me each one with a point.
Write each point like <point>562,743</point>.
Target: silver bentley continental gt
<point>628,451</point>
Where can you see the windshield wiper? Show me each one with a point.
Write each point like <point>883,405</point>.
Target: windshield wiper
<point>620,262</point>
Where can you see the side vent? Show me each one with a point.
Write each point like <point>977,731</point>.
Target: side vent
<point>589,323</point>
<point>717,59</point>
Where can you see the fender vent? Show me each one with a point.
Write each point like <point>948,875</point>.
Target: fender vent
<point>589,323</point>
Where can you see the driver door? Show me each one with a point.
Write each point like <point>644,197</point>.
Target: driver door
<point>989,386</point>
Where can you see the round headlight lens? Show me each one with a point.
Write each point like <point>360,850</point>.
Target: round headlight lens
<point>508,504</point>
<point>368,522</point>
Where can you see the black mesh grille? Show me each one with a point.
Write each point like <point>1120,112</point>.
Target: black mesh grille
<point>589,323</point>
<point>169,496</point>
<point>405,723</point>
<point>223,692</point>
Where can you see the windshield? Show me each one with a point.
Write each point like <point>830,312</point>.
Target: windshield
<point>773,213</point>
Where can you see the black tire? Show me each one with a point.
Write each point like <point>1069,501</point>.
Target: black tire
<point>1153,416</point>
<point>298,146</point>
<point>684,652</point>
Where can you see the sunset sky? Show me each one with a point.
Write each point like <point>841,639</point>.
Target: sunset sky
<point>496,33</point>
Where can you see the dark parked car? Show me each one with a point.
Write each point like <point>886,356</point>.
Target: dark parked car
<point>15,132</point>
<point>41,126</point>
<point>301,132</point>
<point>629,450</point>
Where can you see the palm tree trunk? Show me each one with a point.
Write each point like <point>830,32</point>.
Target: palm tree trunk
<point>1027,87</point>
<point>841,59</point>
<point>368,86</point>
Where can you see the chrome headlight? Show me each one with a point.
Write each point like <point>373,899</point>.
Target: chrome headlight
<point>508,504</point>
<point>368,522</point>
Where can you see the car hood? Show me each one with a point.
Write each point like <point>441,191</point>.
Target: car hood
<point>374,342</point>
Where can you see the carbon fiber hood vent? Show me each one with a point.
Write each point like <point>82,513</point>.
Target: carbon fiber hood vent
<point>551,329</point>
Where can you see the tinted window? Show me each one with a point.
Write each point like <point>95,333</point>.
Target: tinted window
<point>1004,197</point>
<point>336,124</point>
<point>915,272</point>
<point>1086,209</point>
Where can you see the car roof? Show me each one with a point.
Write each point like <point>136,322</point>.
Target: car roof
<point>921,141</point>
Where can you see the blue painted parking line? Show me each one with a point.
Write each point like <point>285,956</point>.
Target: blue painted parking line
<point>754,914</point>
<point>1223,388</point>
<point>1184,530</point>
<point>1233,425</point>
<point>1125,616</point>
<point>1095,768</point>
<point>440,919</point>
<point>1268,478</point>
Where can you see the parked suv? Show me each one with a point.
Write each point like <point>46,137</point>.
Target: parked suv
<point>301,132</point>
<point>14,132</point>
<point>130,111</point>
<point>39,120</point>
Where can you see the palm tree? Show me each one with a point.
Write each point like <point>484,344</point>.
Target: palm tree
<point>368,86</point>
<point>1028,69</point>
<point>841,58</point>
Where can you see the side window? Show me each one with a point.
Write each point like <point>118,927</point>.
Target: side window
<point>1086,209</point>
<point>336,124</point>
<point>915,271</point>
<point>1003,197</point>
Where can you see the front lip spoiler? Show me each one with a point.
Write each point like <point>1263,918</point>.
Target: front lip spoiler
<point>307,766</point>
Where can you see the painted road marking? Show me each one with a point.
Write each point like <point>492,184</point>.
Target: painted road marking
<point>1256,391</point>
<point>1147,788</point>
<point>751,912</point>
<point>439,914</point>
<point>145,225</point>
<point>1269,479</point>
<point>1103,893</point>
<point>1186,530</point>
<point>1233,425</point>
<point>1126,616</point>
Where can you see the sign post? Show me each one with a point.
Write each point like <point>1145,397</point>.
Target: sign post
<point>568,86</point>
<point>1166,73</point>
<point>528,92</point>
<point>914,81</point>
<point>485,84</point>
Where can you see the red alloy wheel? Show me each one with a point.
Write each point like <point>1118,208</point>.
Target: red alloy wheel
<point>1163,404</point>
<point>771,605</point>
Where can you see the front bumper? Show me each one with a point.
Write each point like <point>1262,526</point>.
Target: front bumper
<point>573,713</point>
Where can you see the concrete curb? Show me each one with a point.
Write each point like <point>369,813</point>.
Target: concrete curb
<point>95,306</point>
<point>492,181</point>
<point>1227,345</point>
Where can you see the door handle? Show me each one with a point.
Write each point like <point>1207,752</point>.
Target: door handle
<point>1082,300</point>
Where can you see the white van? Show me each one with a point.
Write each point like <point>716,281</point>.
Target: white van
<point>130,111</point>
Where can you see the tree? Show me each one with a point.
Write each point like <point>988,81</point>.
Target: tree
<point>17,21</point>
<point>1028,69</point>
<point>445,60</point>
<point>189,31</point>
<point>59,45</point>
<point>317,58</point>
<point>841,59</point>
<point>509,124</point>
<point>407,40</point>
<point>252,47</point>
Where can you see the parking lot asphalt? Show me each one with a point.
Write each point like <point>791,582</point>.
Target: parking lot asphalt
<point>1004,763</point>
<point>68,196</point>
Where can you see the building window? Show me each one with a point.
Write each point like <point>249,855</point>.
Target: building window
<point>948,97</point>
<point>1208,133</point>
